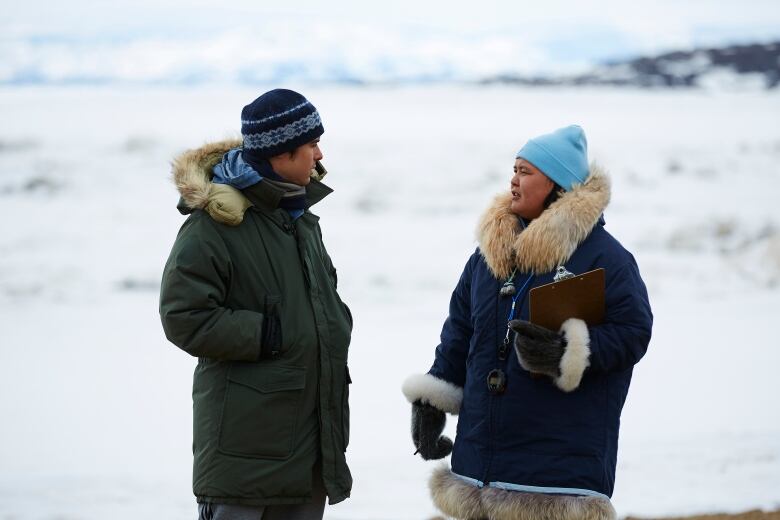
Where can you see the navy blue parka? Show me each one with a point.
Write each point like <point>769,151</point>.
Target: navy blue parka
<point>536,436</point>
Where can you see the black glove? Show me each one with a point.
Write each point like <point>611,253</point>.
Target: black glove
<point>538,349</point>
<point>271,341</point>
<point>427,425</point>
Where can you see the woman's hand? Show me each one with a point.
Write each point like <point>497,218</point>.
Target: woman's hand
<point>427,425</point>
<point>539,350</point>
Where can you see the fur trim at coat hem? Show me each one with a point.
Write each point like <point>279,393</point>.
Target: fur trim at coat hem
<point>433,391</point>
<point>457,498</point>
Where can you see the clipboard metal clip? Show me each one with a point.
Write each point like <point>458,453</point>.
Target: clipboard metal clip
<point>562,274</point>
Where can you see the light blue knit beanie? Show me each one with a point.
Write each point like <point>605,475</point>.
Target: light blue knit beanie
<point>562,156</point>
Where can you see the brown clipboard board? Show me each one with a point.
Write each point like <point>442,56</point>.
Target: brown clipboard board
<point>581,296</point>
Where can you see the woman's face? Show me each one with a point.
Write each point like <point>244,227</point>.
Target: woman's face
<point>530,187</point>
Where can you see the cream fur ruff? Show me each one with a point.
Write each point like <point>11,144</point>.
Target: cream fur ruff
<point>434,391</point>
<point>461,500</point>
<point>192,171</point>
<point>550,239</point>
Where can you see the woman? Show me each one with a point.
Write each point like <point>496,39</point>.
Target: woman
<point>538,423</point>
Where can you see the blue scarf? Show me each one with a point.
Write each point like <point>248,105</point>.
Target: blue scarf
<point>235,170</point>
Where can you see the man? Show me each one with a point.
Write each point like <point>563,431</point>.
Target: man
<point>538,423</point>
<point>251,291</point>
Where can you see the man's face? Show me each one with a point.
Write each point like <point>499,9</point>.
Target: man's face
<point>296,167</point>
<point>530,187</point>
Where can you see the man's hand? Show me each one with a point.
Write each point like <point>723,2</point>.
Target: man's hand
<point>427,425</point>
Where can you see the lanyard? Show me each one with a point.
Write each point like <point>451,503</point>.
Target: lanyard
<point>516,297</point>
<point>503,349</point>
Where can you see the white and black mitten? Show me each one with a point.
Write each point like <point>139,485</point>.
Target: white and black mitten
<point>563,355</point>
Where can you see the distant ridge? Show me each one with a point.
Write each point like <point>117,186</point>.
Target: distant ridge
<point>382,59</point>
<point>756,65</point>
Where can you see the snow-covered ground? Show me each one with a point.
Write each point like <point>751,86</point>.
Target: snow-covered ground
<point>95,404</point>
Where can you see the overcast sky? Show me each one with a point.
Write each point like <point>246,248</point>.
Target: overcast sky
<point>53,39</point>
<point>648,23</point>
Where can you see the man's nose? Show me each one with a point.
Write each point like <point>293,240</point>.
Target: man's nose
<point>318,154</point>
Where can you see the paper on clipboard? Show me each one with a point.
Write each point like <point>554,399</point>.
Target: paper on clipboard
<point>581,296</point>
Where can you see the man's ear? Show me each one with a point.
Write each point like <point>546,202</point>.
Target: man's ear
<point>282,158</point>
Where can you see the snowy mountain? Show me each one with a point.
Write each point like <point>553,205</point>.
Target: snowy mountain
<point>736,66</point>
<point>344,53</point>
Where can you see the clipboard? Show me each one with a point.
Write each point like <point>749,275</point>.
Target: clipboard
<point>581,296</point>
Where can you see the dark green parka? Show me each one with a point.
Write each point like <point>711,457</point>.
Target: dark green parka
<point>260,422</point>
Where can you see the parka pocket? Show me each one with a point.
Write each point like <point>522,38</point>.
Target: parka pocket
<point>272,340</point>
<point>260,412</point>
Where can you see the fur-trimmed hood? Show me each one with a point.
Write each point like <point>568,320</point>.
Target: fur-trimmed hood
<point>550,239</point>
<point>192,171</point>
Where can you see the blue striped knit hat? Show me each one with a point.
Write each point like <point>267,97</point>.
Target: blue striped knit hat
<point>279,121</point>
<point>562,156</point>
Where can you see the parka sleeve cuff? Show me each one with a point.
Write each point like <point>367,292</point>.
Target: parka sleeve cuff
<point>433,391</point>
<point>576,357</point>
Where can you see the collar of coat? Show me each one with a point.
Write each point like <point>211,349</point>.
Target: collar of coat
<point>192,172</point>
<point>549,240</point>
